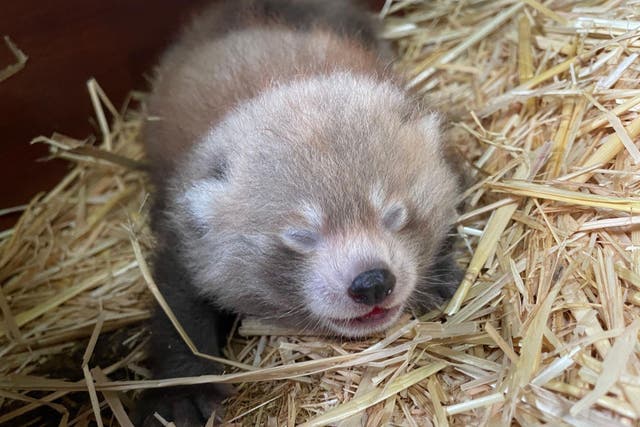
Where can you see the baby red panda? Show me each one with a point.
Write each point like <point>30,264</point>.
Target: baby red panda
<point>295,180</point>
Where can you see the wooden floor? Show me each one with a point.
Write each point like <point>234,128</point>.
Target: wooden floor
<point>115,41</point>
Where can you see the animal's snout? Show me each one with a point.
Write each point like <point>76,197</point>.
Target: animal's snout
<point>372,287</point>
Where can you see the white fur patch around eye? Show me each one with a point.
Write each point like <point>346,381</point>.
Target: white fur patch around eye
<point>312,214</point>
<point>431,127</point>
<point>377,196</point>
<point>395,216</point>
<point>198,199</point>
<point>303,241</point>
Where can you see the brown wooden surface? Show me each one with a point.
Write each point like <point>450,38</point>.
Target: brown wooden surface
<point>68,42</point>
<point>115,41</point>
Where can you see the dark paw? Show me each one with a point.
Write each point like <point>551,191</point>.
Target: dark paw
<point>445,277</point>
<point>438,286</point>
<point>184,406</point>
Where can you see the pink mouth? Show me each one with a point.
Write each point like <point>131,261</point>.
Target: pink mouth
<point>376,317</point>
<point>375,314</point>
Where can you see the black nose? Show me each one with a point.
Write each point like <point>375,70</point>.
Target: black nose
<point>372,287</point>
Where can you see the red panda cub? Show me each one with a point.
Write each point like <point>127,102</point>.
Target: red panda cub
<point>295,180</point>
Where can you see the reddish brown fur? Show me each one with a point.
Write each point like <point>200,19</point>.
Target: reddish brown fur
<point>198,97</point>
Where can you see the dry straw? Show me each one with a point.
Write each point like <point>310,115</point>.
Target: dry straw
<point>543,99</point>
<point>20,60</point>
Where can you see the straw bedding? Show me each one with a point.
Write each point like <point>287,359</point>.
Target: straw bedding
<point>543,100</point>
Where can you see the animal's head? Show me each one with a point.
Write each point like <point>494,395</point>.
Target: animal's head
<point>323,202</point>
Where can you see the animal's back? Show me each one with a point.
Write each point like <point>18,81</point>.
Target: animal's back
<point>238,49</point>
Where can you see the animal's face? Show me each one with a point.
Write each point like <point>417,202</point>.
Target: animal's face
<point>351,276</point>
<point>355,283</point>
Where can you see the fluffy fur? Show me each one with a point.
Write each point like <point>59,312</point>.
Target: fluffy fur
<point>287,160</point>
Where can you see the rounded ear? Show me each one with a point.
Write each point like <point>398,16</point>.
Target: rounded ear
<point>300,240</point>
<point>199,199</point>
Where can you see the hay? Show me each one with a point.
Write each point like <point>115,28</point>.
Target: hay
<point>20,58</point>
<point>543,100</point>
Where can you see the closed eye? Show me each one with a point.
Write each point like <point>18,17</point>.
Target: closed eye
<point>300,240</point>
<point>395,217</point>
